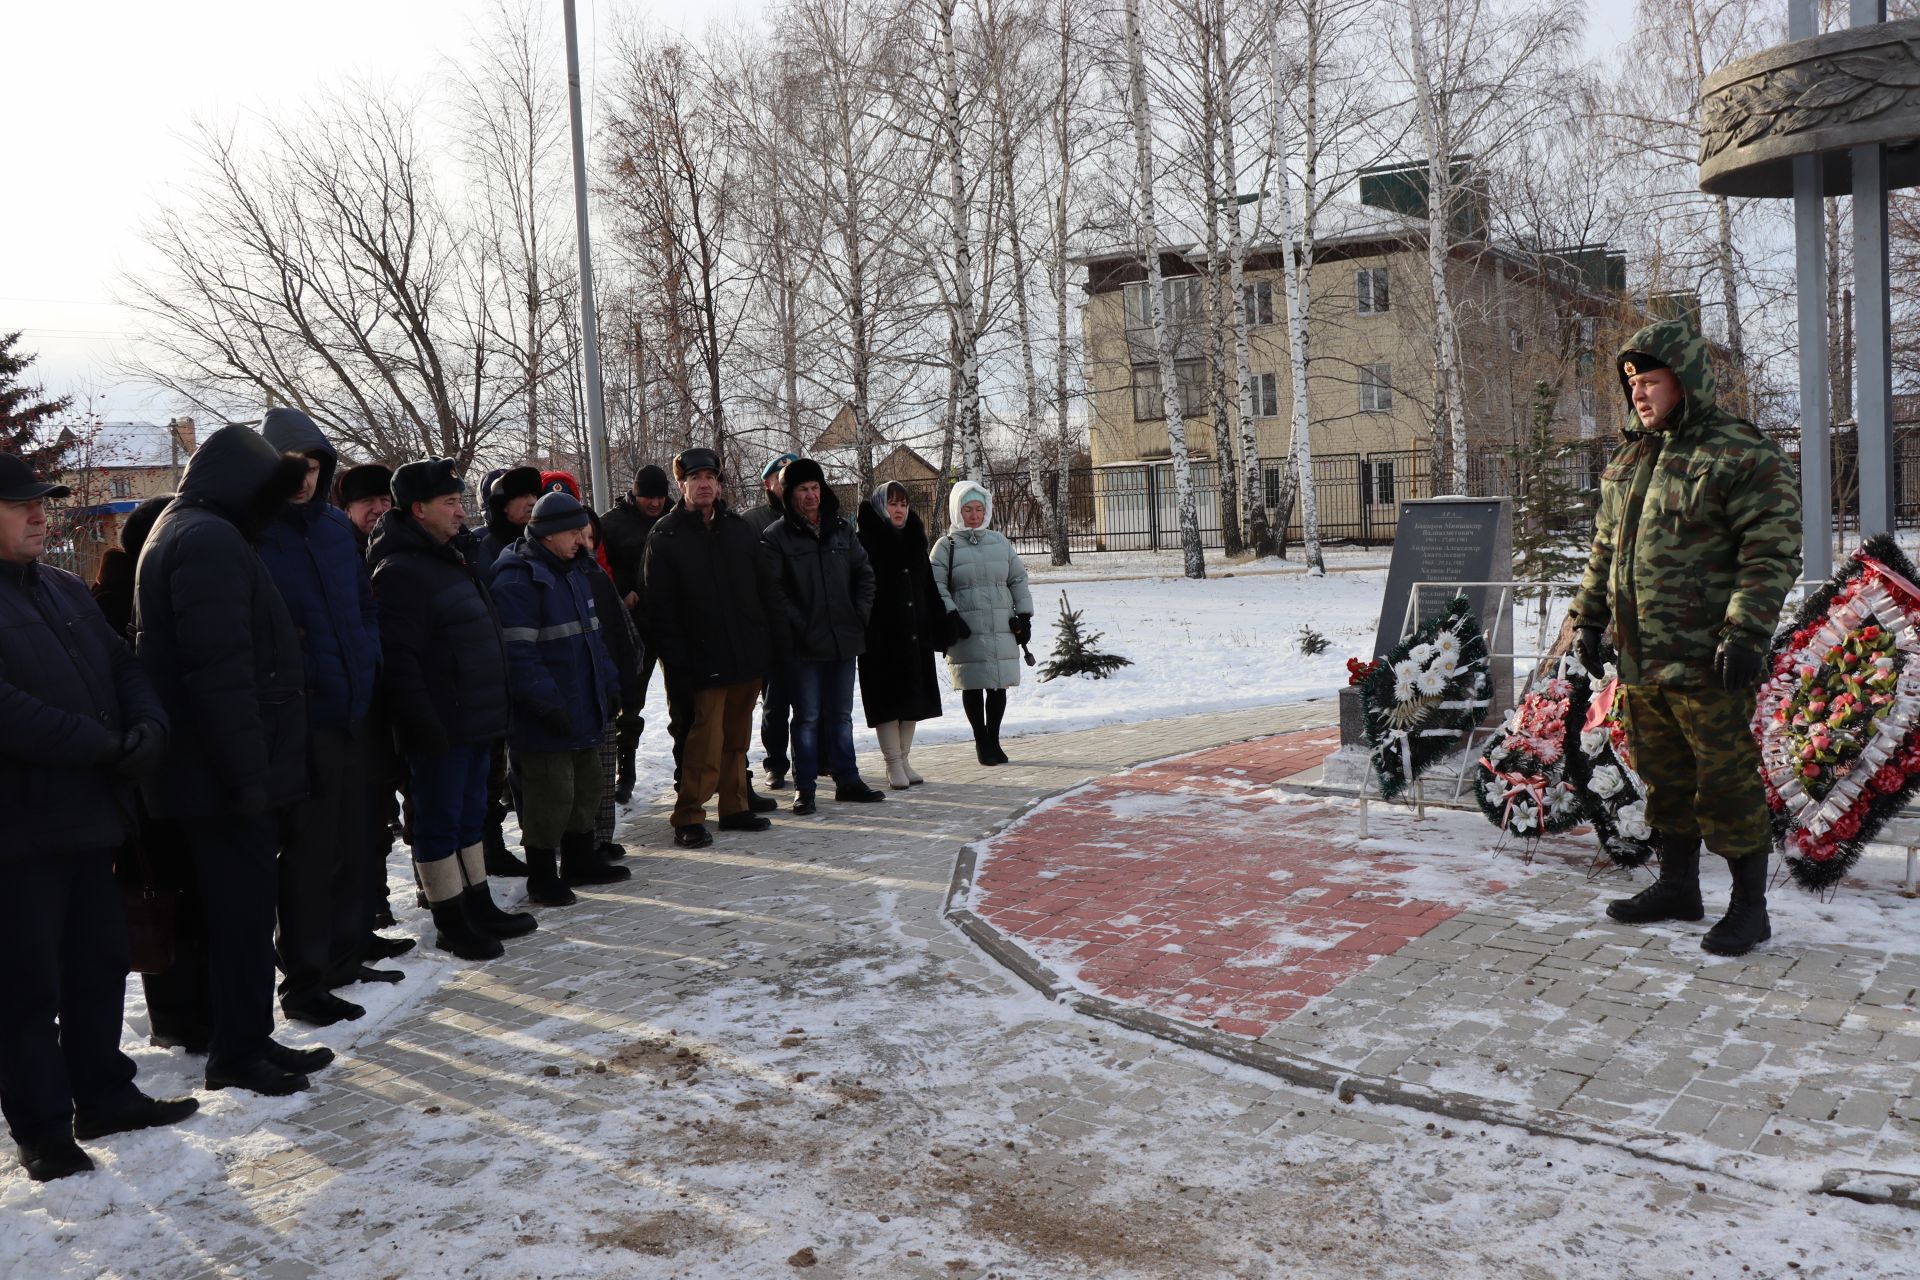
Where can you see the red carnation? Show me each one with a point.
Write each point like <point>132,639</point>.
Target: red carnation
<point>1889,779</point>
<point>1848,827</point>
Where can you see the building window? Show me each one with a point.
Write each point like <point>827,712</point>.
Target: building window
<point>1270,481</point>
<point>1376,388</point>
<point>1266,395</point>
<point>1186,302</point>
<point>1257,301</point>
<point>1370,291</point>
<point>122,487</point>
<point>1376,483</point>
<point>1148,403</point>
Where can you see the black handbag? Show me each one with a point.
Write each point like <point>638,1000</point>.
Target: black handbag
<point>149,913</point>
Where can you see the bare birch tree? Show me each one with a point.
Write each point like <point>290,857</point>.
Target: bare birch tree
<point>1192,551</point>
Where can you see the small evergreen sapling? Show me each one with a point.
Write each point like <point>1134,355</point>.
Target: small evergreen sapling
<point>1074,653</point>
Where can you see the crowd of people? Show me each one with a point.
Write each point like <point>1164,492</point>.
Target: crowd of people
<point>288,663</point>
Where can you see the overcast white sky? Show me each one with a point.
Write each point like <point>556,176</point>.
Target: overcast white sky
<point>96,96</point>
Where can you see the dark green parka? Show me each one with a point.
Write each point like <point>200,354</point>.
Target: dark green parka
<point>1698,534</point>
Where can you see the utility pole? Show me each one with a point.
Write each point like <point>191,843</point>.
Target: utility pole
<point>602,486</point>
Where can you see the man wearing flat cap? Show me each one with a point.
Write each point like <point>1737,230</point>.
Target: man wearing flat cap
<point>710,603</point>
<point>1695,546</point>
<point>444,677</point>
<point>565,687</point>
<point>82,721</point>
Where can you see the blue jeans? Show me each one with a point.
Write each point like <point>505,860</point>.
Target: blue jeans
<point>449,800</point>
<point>822,694</point>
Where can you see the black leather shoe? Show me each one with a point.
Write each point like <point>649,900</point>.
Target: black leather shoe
<point>692,836</point>
<point>142,1113</point>
<point>804,805</point>
<point>193,1042</point>
<point>256,1075</point>
<point>58,1158</point>
<point>322,1010</point>
<point>857,792</point>
<point>747,821</point>
<point>367,973</point>
<point>380,948</point>
<point>581,863</point>
<point>299,1061</point>
<point>757,803</point>
<point>497,858</point>
<point>610,850</point>
<point>777,782</point>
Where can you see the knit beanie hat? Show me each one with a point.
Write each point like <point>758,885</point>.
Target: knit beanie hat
<point>556,513</point>
<point>651,482</point>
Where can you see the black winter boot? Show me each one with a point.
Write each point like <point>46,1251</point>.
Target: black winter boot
<point>57,1157</point>
<point>485,913</point>
<point>500,860</point>
<point>757,803</point>
<point>545,888</point>
<point>1676,894</point>
<point>1745,926</point>
<point>582,863</point>
<point>456,933</point>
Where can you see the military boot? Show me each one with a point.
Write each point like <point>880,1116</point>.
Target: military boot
<point>1745,926</point>
<point>1676,894</point>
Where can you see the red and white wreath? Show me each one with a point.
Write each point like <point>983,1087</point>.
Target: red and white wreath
<point>1839,720</point>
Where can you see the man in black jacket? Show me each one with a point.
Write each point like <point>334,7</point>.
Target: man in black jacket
<point>80,718</point>
<point>221,649</point>
<point>709,603</point>
<point>444,676</point>
<point>823,592</point>
<point>625,527</point>
<point>776,702</point>
<point>506,499</point>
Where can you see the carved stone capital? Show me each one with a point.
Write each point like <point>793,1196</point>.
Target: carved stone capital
<point>1819,96</point>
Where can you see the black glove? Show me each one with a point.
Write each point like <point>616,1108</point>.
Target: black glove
<point>1587,648</point>
<point>1022,628</point>
<point>1738,666</point>
<point>957,625</point>
<point>140,749</point>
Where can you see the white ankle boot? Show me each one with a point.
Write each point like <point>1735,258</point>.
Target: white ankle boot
<point>889,734</point>
<point>906,752</point>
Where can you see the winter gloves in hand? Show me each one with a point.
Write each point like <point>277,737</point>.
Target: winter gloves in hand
<point>140,749</point>
<point>1738,666</point>
<point>957,625</point>
<point>1587,648</point>
<point>1022,628</point>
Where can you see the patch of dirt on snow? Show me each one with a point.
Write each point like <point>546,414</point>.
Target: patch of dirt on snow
<point>660,1235</point>
<point>711,1142</point>
<point>1030,1213</point>
<point>657,1056</point>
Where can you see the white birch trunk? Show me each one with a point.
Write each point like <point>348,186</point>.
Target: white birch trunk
<point>1057,274</point>
<point>1253,509</point>
<point>1192,551</point>
<point>972,449</point>
<point>1296,275</point>
<point>1429,108</point>
<point>1226,481</point>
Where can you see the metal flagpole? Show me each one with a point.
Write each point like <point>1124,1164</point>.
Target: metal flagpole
<point>602,487</point>
<point>1810,263</point>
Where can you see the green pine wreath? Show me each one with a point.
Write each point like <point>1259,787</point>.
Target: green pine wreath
<point>1424,697</point>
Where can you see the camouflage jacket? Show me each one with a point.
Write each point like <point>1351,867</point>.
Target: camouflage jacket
<point>1698,535</point>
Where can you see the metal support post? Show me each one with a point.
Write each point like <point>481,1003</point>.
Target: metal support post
<point>1810,266</point>
<point>601,496</point>
<point>1873,394</point>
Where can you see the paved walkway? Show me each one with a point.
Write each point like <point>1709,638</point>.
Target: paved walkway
<point>774,1057</point>
<point>1189,889</point>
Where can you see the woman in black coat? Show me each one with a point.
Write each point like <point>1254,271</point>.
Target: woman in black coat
<point>898,685</point>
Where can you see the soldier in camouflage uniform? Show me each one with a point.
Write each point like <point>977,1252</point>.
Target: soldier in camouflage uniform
<point>1696,545</point>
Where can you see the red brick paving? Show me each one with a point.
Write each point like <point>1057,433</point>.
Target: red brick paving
<point>1183,886</point>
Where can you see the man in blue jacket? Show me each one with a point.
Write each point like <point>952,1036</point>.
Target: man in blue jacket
<point>81,719</point>
<point>310,551</point>
<point>565,689</point>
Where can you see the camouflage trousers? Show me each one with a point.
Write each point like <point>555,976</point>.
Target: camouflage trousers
<point>1694,749</point>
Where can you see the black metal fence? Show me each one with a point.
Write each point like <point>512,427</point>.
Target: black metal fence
<point>1134,506</point>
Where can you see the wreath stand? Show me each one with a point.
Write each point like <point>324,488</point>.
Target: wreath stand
<point>1461,774</point>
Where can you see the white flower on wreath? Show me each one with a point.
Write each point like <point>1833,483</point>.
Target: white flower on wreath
<point>1560,800</point>
<point>1406,669</point>
<point>1632,821</point>
<point>1420,652</point>
<point>1594,741</point>
<point>1445,663</point>
<point>1607,781</point>
<point>1447,643</point>
<point>1431,682</point>
<point>1521,818</point>
<point>1496,790</point>
<point>1402,690</point>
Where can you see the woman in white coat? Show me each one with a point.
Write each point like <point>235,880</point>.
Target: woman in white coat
<point>989,613</point>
